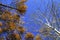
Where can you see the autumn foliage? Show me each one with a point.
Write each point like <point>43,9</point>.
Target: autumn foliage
<point>9,23</point>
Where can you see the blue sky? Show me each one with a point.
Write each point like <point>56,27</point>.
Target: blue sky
<point>33,5</point>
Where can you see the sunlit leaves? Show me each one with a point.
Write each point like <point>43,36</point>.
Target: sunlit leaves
<point>23,1</point>
<point>22,8</point>
<point>20,29</point>
<point>29,36</point>
<point>16,17</point>
<point>17,36</point>
<point>12,25</point>
<point>5,15</point>
<point>38,37</point>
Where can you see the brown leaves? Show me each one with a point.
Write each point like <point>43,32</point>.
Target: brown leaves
<point>1,24</point>
<point>23,1</point>
<point>29,36</point>
<point>1,30</point>
<point>16,17</point>
<point>38,37</point>
<point>13,36</point>
<point>10,18</point>
<point>22,8</point>
<point>11,22</point>
<point>17,36</point>
<point>21,30</point>
<point>6,15</point>
<point>12,25</point>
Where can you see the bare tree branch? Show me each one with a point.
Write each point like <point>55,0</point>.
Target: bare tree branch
<point>8,7</point>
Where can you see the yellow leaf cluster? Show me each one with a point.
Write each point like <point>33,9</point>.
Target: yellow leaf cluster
<point>21,29</point>
<point>22,8</point>
<point>17,36</point>
<point>38,37</point>
<point>12,25</point>
<point>16,17</point>
<point>6,15</point>
<point>22,1</point>
<point>29,35</point>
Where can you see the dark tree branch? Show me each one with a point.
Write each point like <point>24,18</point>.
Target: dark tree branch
<point>9,7</point>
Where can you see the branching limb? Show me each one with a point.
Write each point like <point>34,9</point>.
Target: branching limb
<point>8,6</point>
